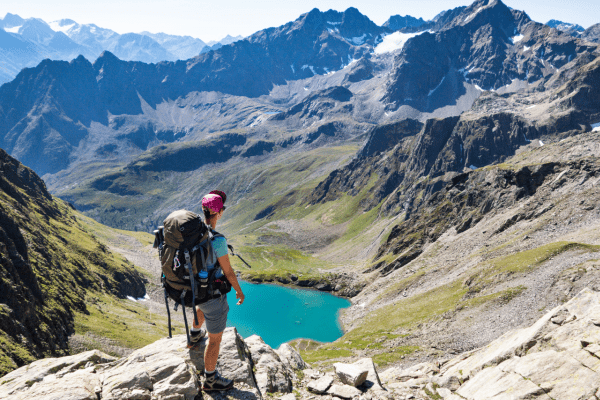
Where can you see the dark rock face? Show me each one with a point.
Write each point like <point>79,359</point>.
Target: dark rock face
<point>467,198</point>
<point>385,137</point>
<point>43,275</point>
<point>392,138</point>
<point>259,148</point>
<point>317,104</point>
<point>181,158</point>
<point>486,140</point>
<point>361,71</point>
<point>398,22</point>
<point>479,46</point>
<point>592,33</point>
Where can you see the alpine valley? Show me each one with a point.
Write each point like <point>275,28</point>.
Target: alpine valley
<point>443,175</point>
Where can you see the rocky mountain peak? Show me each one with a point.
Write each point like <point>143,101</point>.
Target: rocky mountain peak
<point>106,58</point>
<point>398,22</point>
<point>349,23</point>
<point>11,20</point>
<point>572,29</point>
<point>486,12</point>
<point>65,22</point>
<point>592,33</point>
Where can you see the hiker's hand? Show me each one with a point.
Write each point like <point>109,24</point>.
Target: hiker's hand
<point>240,296</point>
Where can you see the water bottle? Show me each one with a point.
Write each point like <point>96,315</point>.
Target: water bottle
<point>203,286</point>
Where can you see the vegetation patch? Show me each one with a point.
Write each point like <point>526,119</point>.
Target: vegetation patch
<point>526,260</point>
<point>270,262</point>
<point>126,323</point>
<point>12,354</point>
<point>393,355</point>
<point>325,354</point>
<point>411,311</point>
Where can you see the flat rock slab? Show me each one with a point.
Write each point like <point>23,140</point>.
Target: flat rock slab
<point>320,385</point>
<point>78,385</point>
<point>560,375</point>
<point>353,375</point>
<point>495,384</point>
<point>50,369</point>
<point>344,391</point>
<point>555,358</point>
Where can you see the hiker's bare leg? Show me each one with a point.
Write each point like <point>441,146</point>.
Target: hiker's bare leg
<point>212,351</point>
<point>200,315</point>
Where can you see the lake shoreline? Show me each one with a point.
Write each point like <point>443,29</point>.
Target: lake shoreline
<point>339,285</point>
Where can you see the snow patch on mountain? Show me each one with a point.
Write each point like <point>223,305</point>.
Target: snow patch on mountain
<point>516,39</point>
<point>596,127</point>
<point>437,87</point>
<point>14,29</point>
<point>394,41</point>
<point>310,67</point>
<point>57,27</point>
<point>358,40</point>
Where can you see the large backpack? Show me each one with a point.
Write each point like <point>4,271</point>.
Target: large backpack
<point>185,247</point>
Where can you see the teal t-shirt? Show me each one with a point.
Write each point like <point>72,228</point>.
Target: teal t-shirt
<point>219,245</point>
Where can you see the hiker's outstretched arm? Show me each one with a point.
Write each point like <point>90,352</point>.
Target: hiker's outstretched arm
<point>230,274</point>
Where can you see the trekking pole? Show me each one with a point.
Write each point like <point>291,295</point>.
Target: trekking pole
<point>238,256</point>
<point>168,311</point>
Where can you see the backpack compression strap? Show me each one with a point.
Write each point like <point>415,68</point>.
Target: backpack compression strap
<point>188,264</point>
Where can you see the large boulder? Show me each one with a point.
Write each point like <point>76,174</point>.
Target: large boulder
<point>344,391</point>
<point>320,385</point>
<point>352,375</point>
<point>372,382</point>
<point>290,358</point>
<point>271,373</point>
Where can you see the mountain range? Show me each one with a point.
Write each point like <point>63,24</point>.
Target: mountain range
<point>443,175</point>
<point>26,42</point>
<point>290,71</point>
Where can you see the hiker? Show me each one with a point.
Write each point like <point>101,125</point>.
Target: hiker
<point>214,311</point>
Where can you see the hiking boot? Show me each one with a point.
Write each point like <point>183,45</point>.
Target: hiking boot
<point>195,337</point>
<point>215,381</point>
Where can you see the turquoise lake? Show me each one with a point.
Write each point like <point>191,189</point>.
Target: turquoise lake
<point>279,314</point>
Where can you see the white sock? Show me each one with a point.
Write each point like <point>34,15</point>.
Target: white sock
<point>196,329</point>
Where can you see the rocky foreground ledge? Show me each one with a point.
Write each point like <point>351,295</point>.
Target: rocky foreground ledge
<point>556,358</point>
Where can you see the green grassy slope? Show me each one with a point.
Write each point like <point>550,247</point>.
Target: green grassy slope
<point>55,275</point>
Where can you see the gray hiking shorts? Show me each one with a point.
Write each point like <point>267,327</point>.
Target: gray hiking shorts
<point>215,313</point>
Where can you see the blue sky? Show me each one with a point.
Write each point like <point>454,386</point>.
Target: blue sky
<point>212,20</point>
